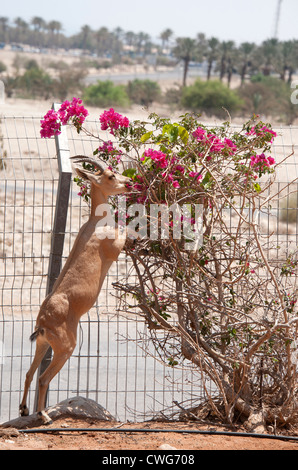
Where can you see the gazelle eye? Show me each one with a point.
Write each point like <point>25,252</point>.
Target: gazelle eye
<point>111,177</point>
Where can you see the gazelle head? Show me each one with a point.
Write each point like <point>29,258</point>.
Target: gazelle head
<point>109,182</point>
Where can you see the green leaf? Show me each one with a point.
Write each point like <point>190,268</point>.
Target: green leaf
<point>257,187</point>
<point>146,136</point>
<point>206,181</point>
<point>172,362</point>
<point>183,134</point>
<point>147,162</point>
<point>130,172</point>
<point>163,148</point>
<point>171,132</point>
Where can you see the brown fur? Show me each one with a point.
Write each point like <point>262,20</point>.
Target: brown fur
<point>76,288</point>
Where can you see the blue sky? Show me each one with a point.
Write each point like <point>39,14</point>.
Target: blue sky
<point>238,20</point>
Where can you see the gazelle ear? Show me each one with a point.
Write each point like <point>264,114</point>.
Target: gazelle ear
<point>87,175</point>
<point>81,173</point>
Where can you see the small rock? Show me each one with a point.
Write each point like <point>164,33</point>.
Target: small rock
<point>256,423</point>
<point>9,432</point>
<point>167,447</point>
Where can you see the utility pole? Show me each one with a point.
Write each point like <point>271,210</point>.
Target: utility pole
<point>276,26</point>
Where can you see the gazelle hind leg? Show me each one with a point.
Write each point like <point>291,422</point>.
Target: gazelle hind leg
<point>58,361</point>
<point>41,348</point>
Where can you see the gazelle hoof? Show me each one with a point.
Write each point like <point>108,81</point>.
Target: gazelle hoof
<point>45,418</point>
<point>24,411</point>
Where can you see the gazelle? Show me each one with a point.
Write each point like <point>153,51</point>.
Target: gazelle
<point>78,285</point>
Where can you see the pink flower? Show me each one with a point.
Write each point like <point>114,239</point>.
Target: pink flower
<point>230,146</point>
<point>271,161</point>
<point>195,174</point>
<point>180,168</point>
<point>260,163</point>
<point>262,160</point>
<point>74,110</point>
<point>169,177</point>
<point>138,187</point>
<point>199,133</point>
<point>52,121</point>
<point>139,184</point>
<point>216,144</point>
<point>112,120</point>
<point>50,125</point>
<point>157,156</point>
<point>107,147</point>
<point>262,132</point>
<point>109,152</point>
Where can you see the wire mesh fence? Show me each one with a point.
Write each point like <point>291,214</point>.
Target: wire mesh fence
<point>114,363</point>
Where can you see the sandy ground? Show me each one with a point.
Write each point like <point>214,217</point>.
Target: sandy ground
<point>129,440</point>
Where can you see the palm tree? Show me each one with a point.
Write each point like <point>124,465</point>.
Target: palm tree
<point>116,44</point>
<point>245,51</point>
<point>143,43</point>
<point>118,32</point>
<point>293,64</point>
<point>202,45</point>
<point>130,38</point>
<point>225,52</point>
<point>288,59</point>
<point>232,61</point>
<point>85,34</point>
<point>54,27</point>
<point>185,50</point>
<point>38,23</point>
<point>165,37</point>
<point>102,37</point>
<point>212,54</point>
<point>21,29</point>
<point>3,28</point>
<point>269,53</point>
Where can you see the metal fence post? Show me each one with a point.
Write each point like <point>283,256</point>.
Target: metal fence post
<point>58,232</point>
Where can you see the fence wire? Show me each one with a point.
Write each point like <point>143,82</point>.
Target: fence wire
<point>114,362</point>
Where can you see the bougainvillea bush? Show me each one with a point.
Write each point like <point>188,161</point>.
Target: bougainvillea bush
<point>213,285</point>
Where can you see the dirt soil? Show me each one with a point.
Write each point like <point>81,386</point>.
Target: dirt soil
<point>11,439</point>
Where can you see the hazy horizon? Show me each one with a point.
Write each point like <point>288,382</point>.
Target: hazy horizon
<point>240,21</point>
